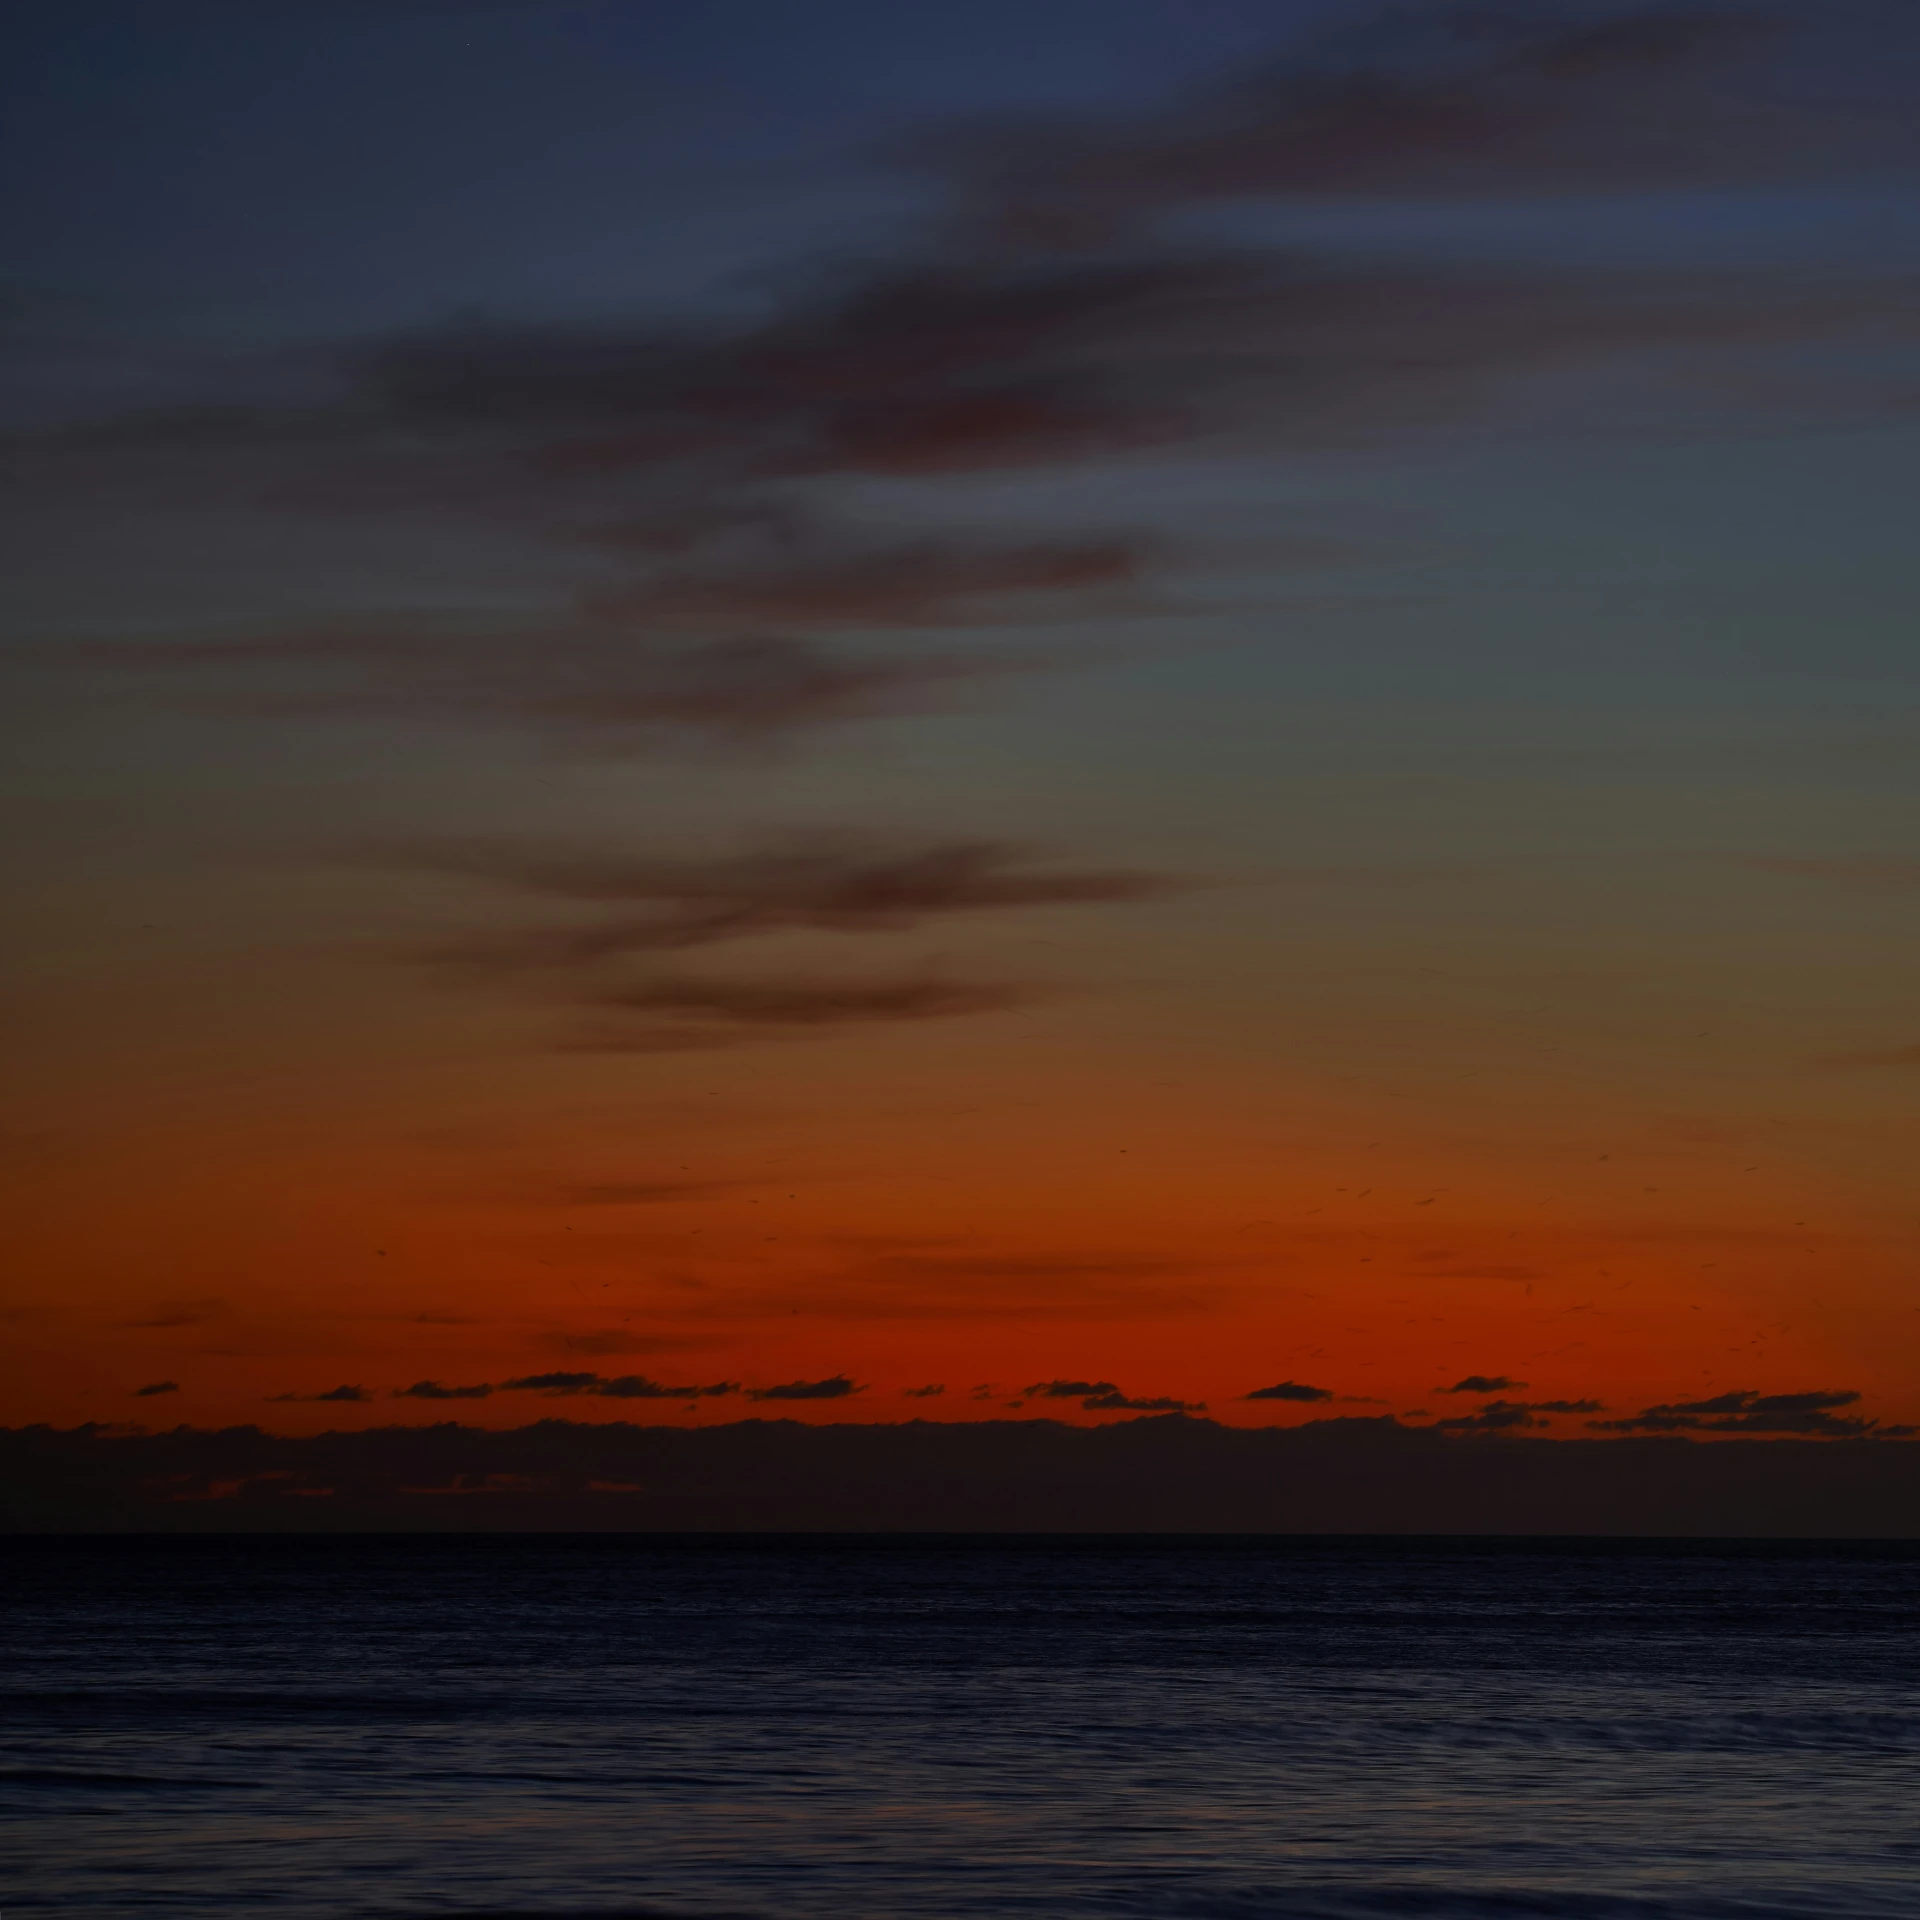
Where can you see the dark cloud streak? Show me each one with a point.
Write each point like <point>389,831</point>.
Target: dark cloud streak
<point>1475,100</point>
<point>1812,1415</point>
<point>1487,99</point>
<point>1102,1396</point>
<point>1045,317</point>
<point>837,885</point>
<point>839,1387</point>
<point>625,1386</point>
<point>692,1014</point>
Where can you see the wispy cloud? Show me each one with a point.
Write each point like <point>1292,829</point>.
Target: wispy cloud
<point>612,1193</point>
<point>991,1283</point>
<point>157,1386</point>
<point>645,906</point>
<point>807,578</point>
<point>349,1395</point>
<point>1483,1383</point>
<point>1060,307</point>
<point>1904,1057</point>
<point>838,884</point>
<point>583,682</point>
<point>1475,100</point>
<point>181,1313</point>
<point>680,1015</point>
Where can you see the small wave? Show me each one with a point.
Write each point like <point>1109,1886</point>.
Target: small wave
<point>572,1913</point>
<point>1404,1902</point>
<point>70,1777</point>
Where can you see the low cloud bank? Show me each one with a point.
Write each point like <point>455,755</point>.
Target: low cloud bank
<point>1170,1473</point>
<point>1811,1414</point>
<point>1102,1396</point>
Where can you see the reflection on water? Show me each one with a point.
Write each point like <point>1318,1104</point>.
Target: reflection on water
<point>310,1727</point>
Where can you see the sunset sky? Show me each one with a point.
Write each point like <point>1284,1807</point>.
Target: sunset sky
<point>872,712</point>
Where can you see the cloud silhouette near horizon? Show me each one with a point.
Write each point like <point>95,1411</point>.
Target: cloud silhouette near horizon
<point>1102,1396</point>
<point>839,1387</point>
<point>1497,1416</point>
<point>1289,1390</point>
<point>625,1386</point>
<point>1500,1416</point>
<point>1812,1415</point>
<point>567,1383</point>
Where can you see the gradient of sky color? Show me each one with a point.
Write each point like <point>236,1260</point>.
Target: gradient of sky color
<point>1171,698</point>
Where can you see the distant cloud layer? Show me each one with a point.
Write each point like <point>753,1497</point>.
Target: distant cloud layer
<point>625,1386</point>
<point>1508,1416</point>
<point>1750,1412</point>
<point>1102,1396</point>
<point>839,1387</point>
<point>1170,1473</point>
<point>632,1386</point>
<point>1813,1415</point>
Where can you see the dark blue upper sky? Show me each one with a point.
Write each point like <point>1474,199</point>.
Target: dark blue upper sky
<point>225,169</point>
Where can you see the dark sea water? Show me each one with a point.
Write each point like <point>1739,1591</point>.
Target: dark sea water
<point>1096,1731</point>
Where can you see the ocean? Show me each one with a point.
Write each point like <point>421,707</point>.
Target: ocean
<point>894,1728</point>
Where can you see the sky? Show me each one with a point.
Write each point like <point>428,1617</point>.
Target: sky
<point>1077,709</point>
